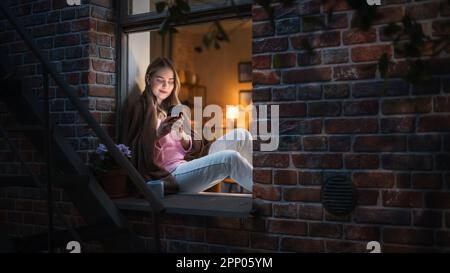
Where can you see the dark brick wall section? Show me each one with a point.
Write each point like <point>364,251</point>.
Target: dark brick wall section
<point>390,139</point>
<point>337,116</point>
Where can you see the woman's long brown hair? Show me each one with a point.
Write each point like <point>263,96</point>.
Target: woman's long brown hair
<point>141,124</point>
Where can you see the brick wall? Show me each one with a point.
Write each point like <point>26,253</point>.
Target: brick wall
<point>80,43</point>
<point>334,119</point>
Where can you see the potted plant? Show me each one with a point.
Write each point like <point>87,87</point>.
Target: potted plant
<point>112,177</point>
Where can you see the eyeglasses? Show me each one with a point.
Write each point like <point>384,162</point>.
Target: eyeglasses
<point>161,81</point>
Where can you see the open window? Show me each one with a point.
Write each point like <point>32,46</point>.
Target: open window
<point>212,53</point>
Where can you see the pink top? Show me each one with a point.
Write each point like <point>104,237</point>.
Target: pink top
<point>169,152</point>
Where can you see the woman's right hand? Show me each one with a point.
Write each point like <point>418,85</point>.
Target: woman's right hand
<point>166,126</point>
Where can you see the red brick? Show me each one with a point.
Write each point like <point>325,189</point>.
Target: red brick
<point>373,179</point>
<point>324,230</point>
<point>345,247</point>
<point>385,15</point>
<point>360,107</point>
<point>183,233</point>
<point>437,200</point>
<point>297,109</point>
<point>357,36</point>
<point>370,53</point>
<point>307,75</point>
<point>284,60</point>
<point>263,29</point>
<point>224,222</point>
<point>104,66</point>
<point>382,216</point>
<point>361,161</point>
<point>309,7</point>
<point>259,13</point>
<point>67,40</point>
<point>270,45</point>
<point>262,176</point>
<point>310,178</point>
<point>105,27</point>
<point>324,108</point>
<point>339,143</point>
<point>101,91</point>
<point>267,192</point>
<point>354,72</point>
<point>227,237</point>
<point>435,123</point>
<point>80,25</point>
<point>301,194</point>
<point>266,77</point>
<point>310,212</point>
<point>379,144</point>
<point>317,161</point>
<point>408,236</point>
<point>406,106</point>
<point>367,197</point>
<point>440,27</point>
<point>263,241</point>
<point>362,233</point>
<point>442,104</point>
<point>106,53</point>
<point>351,125</point>
<point>407,162</point>
<point>406,199</point>
<point>287,227</point>
<point>103,79</point>
<point>299,127</point>
<point>335,56</point>
<point>314,143</point>
<point>262,61</point>
<point>424,143</point>
<point>426,180</point>
<point>301,245</point>
<point>427,218</point>
<point>285,177</point>
<point>285,210</point>
<point>397,125</point>
<point>336,5</point>
<point>325,39</point>
<point>423,10</point>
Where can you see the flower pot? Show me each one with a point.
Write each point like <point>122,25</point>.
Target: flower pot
<point>114,183</point>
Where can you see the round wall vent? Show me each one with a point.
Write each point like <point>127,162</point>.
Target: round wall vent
<point>338,195</point>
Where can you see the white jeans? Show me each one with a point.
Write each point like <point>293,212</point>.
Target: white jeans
<point>229,156</point>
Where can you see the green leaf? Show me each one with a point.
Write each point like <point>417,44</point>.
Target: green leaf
<point>160,6</point>
<point>222,34</point>
<point>183,5</point>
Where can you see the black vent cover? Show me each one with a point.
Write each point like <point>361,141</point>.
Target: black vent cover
<point>338,195</point>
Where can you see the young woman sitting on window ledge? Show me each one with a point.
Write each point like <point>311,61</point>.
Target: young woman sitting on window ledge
<point>183,163</point>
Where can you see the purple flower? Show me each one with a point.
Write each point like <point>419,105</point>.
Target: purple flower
<point>102,150</point>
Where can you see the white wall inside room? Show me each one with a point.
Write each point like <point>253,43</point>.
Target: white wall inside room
<point>217,69</point>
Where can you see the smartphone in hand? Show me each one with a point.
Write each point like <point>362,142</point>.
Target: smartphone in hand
<point>169,111</point>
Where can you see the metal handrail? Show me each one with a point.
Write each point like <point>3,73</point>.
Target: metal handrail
<point>155,204</point>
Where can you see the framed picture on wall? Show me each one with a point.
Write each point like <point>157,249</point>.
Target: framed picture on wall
<point>245,71</point>
<point>245,97</point>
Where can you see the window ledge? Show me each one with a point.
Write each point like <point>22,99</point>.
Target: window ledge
<point>204,204</point>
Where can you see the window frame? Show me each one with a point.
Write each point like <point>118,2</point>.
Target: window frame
<point>151,21</point>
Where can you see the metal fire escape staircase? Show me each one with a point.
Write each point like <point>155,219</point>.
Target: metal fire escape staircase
<point>65,169</point>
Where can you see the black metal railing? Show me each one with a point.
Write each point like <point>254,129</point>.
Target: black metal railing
<point>156,205</point>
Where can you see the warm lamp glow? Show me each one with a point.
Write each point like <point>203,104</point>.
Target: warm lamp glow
<point>232,112</point>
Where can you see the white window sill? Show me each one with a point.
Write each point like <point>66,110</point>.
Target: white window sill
<point>204,204</point>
